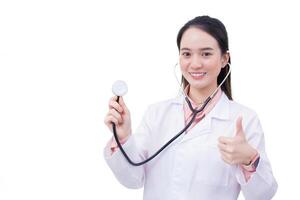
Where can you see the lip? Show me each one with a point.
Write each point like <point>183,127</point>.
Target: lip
<point>197,75</point>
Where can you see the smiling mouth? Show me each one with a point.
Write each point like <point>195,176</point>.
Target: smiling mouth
<point>198,74</point>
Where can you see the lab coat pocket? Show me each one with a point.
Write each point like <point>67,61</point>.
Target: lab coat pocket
<point>211,169</point>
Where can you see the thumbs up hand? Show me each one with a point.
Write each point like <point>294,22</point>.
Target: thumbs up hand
<point>236,150</point>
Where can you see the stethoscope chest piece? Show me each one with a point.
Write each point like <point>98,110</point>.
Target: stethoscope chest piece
<point>119,88</point>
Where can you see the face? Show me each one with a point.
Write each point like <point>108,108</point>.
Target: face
<point>201,59</point>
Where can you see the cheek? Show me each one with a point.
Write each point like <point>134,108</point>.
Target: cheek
<point>183,65</point>
<point>214,65</point>
<point>182,69</point>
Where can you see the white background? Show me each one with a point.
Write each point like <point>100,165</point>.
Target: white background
<point>59,58</point>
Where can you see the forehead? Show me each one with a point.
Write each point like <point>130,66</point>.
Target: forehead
<point>195,38</point>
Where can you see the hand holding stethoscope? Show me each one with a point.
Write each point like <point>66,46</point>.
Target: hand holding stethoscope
<point>118,116</point>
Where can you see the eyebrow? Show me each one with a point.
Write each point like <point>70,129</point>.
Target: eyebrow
<point>202,49</point>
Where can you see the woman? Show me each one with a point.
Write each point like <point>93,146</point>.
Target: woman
<point>221,153</point>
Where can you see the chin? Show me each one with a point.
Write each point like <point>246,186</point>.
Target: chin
<point>198,86</point>
<point>198,83</point>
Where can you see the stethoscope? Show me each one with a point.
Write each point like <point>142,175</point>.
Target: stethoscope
<point>119,88</point>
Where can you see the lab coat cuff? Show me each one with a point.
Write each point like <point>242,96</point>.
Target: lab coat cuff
<point>260,173</point>
<point>109,154</point>
<point>114,145</point>
<point>261,185</point>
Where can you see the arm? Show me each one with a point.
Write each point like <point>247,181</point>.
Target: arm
<point>136,148</point>
<point>261,184</point>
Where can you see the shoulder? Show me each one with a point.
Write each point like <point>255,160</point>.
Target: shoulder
<point>238,107</point>
<point>249,115</point>
<point>231,110</point>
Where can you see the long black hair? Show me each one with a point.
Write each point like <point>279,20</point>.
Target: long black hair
<point>216,29</point>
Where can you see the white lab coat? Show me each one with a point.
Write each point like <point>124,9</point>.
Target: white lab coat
<point>191,168</point>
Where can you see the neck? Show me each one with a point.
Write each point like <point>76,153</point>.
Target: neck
<point>198,96</point>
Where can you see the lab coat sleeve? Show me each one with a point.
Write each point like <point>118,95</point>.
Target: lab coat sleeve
<point>136,148</point>
<point>262,184</point>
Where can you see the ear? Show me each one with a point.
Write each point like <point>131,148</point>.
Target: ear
<point>225,59</point>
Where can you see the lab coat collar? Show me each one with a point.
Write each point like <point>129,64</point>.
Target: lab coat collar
<point>220,111</point>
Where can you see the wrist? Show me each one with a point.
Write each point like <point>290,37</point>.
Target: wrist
<point>251,157</point>
<point>114,145</point>
<point>253,164</point>
<point>122,140</point>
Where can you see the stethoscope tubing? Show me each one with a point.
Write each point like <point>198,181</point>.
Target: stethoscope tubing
<point>195,112</point>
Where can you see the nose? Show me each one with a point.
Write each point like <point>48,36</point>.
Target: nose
<point>196,62</point>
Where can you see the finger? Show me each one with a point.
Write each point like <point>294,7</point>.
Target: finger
<point>225,148</point>
<point>122,103</point>
<point>116,115</point>
<point>226,140</point>
<point>225,159</point>
<point>109,120</point>
<point>228,158</point>
<point>222,146</point>
<point>116,106</point>
<point>224,156</point>
<point>239,125</point>
<point>114,98</point>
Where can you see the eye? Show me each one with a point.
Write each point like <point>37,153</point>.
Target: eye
<point>206,54</point>
<point>186,54</point>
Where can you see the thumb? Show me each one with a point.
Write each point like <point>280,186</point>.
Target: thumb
<point>239,127</point>
<point>122,103</point>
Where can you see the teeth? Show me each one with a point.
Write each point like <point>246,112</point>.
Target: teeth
<point>199,74</point>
